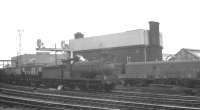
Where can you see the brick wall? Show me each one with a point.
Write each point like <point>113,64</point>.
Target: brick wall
<point>123,54</point>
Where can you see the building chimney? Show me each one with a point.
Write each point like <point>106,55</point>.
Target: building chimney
<point>154,34</point>
<point>78,35</point>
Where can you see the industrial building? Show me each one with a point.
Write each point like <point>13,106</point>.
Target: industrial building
<point>186,55</point>
<point>131,46</point>
<point>40,58</point>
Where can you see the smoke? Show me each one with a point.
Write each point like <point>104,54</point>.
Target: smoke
<point>81,58</point>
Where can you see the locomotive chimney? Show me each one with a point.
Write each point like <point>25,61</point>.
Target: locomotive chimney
<point>154,33</point>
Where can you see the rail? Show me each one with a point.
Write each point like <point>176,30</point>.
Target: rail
<point>117,103</point>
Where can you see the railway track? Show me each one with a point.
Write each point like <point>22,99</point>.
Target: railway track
<point>109,103</point>
<point>157,95</point>
<point>99,103</point>
<point>118,92</point>
<point>38,103</point>
<point>176,100</point>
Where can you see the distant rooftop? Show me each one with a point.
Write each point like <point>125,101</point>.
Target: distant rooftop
<point>194,52</point>
<point>186,54</point>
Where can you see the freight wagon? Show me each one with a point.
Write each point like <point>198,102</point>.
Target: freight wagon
<point>182,73</point>
<point>25,75</point>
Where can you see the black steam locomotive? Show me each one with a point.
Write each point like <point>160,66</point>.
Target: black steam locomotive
<point>89,75</point>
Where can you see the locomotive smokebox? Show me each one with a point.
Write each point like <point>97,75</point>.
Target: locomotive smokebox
<point>154,33</point>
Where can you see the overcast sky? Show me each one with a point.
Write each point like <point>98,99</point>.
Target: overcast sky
<point>56,20</point>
